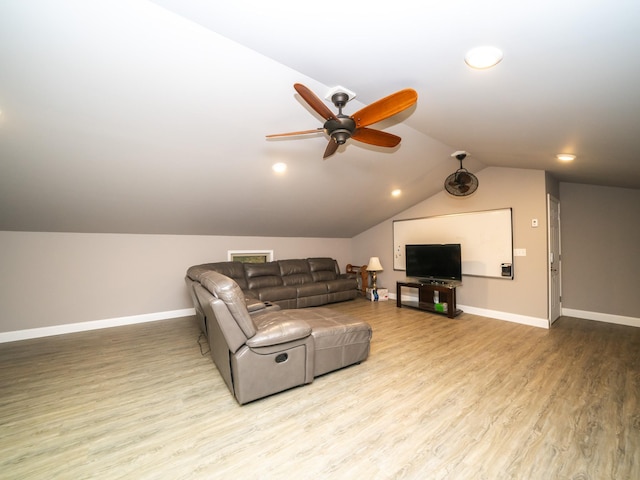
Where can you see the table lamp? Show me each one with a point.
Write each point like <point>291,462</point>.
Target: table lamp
<point>374,267</point>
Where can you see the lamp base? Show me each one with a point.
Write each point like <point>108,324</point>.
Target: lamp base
<point>374,279</point>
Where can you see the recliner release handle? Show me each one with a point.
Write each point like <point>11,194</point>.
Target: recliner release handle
<point>283,357</point>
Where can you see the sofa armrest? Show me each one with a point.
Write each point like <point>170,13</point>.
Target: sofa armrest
<point>254,305</point>
<point>280,332</point>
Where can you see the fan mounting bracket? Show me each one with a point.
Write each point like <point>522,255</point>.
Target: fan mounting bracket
<point>343,92</point>
<point>460,155</point>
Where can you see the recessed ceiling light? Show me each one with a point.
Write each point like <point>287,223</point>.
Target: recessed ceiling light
<point>279,167</point>
<point>396,193</point>
<point>565,157</point>
<point>483,57</point>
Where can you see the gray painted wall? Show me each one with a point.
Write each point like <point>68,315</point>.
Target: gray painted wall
<point>600,249</point>
<point>51,279</point>
<point>522,190</point>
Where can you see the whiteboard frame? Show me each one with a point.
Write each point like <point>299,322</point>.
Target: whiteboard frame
<point>504,251</point>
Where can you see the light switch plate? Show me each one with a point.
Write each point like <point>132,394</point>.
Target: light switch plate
<point>519,252</point>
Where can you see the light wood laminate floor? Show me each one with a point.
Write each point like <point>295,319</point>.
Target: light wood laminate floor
<point>468,398</point>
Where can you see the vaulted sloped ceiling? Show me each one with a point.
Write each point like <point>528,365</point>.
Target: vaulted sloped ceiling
<point>150,117</point>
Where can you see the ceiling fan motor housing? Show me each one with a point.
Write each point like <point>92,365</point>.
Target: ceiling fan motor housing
<point>340,130</point>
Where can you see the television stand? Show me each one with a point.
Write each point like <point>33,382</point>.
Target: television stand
<point>446,293</point>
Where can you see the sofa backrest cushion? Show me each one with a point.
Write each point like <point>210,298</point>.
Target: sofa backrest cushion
<point>229,292</point>
<point>233,270</point>
<point>195,272</point>
<point>295,272</point>
<point>261,275</point>
<point>323,269</point>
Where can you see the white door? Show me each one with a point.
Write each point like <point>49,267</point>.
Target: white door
<point>555,298</point>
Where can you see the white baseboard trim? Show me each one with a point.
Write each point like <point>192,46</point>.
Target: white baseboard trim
<point>506,316</point>
<point>93,325</point>
<point>602,317</point>
<point>187,312</point>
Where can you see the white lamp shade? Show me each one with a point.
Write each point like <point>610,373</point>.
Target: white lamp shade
<point>374,265</point>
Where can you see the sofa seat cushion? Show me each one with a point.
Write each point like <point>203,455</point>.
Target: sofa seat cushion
<point>331,328</point>
<point>340,339</point>
<point>274,294</point>
<point>342,284</point>
<point>311,289</point>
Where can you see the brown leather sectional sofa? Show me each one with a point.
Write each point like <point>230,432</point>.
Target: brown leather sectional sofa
<point>261,349</point>
<point>295,283</point>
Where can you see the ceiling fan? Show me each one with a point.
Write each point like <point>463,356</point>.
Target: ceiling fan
<point>461,183</point>
<point>341,127</point>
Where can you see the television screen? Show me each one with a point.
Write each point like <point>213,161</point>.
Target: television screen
<point>434,262</point>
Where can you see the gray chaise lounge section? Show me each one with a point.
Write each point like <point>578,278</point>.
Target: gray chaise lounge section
<point>270,349</point>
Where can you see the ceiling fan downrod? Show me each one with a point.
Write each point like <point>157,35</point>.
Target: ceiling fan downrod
<point>341,128</point>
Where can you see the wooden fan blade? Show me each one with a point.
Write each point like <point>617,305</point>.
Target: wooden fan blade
<point>314,102</point>
<point>375,137</point>
<point>289,134</point>
<point>331,148</point>
<point>385,107</point>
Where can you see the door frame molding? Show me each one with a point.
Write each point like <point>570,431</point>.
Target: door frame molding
<point>550,199</point>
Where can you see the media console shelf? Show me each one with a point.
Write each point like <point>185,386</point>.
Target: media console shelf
<point>446,294</point>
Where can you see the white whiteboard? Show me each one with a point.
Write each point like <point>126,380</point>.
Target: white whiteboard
<point>486,239</point>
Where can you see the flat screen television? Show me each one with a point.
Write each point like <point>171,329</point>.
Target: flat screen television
<point>434,262</point>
